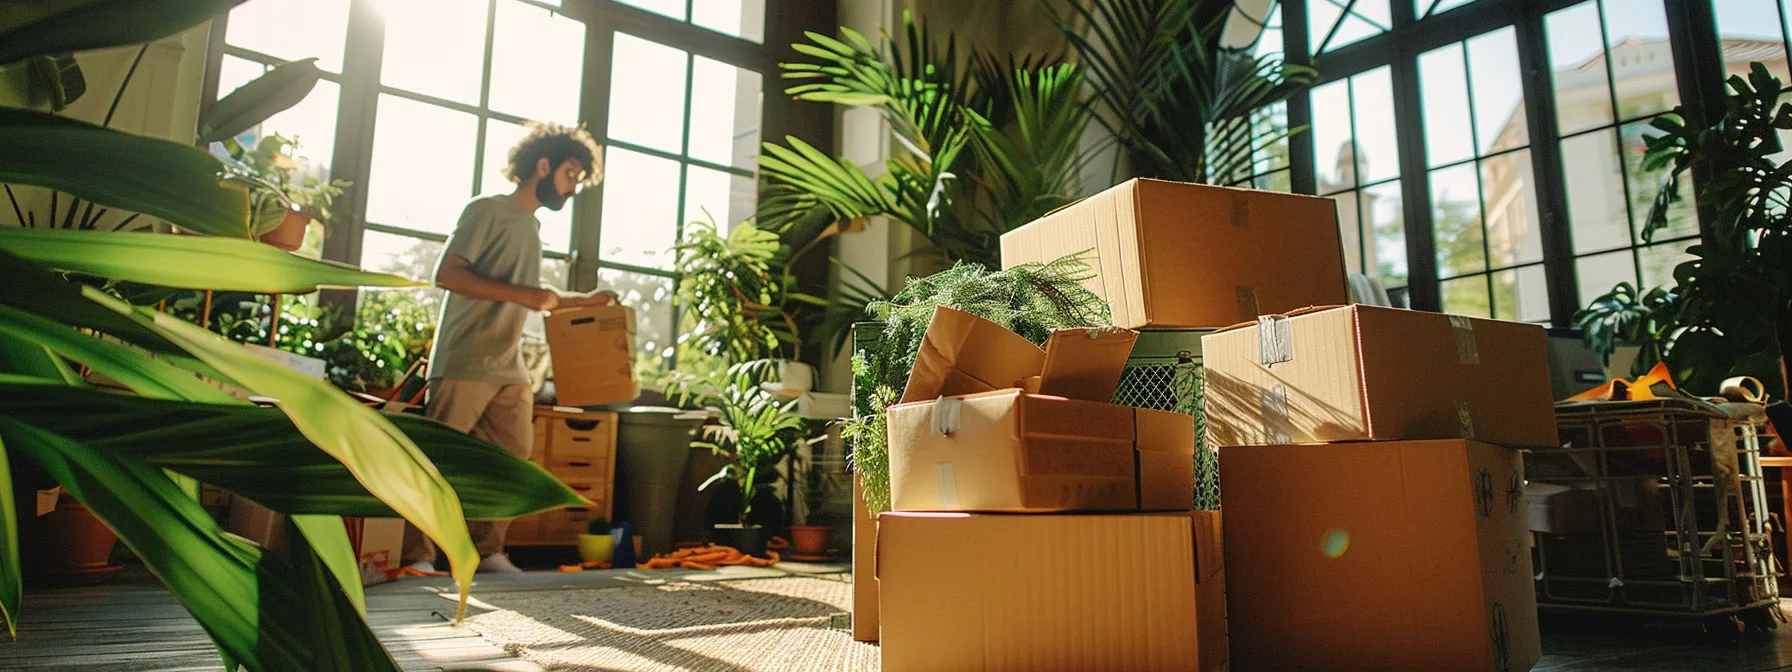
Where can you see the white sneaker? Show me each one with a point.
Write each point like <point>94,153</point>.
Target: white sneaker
<point>424,567</point>
<point>498,563</point>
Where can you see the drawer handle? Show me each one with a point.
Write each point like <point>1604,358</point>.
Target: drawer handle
<point>581,488</point>
<point>578,464</point>
<point>581,439</point>
<point>582,425</point>
<point>583,509</point>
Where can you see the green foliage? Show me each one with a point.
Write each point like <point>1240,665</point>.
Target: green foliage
<point>276,184</point>
<point>267,95</point>
<point>1031,300</point>
<point>757,428</point>
<point>733,287</point>
<point>1730,311</point>
<point>1178,105</point>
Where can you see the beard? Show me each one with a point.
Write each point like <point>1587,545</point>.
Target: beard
<point>550,197</point>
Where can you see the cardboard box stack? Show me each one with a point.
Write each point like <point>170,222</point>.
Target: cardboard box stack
<point>1376,513</point>
<point>1037,526</point>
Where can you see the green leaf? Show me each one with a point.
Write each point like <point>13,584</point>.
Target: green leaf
<point>328,537</point>
<point>380,456</point>
<point>267,610</point>
<point>121,170</point>
<point>263,97</point>
<point>133,369</point>
<point>189,262</point>
<point>256,452</point>
<point>49,26</point>
<point>11,588</point>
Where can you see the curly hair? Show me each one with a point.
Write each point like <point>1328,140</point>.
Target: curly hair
<point>556,143</point>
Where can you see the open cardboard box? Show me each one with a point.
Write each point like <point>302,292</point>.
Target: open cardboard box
<point>992,422</point>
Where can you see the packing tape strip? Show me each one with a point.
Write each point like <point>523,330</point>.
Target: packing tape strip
<point>1743,389</point>
<point>1275,340</point>
<point>1466,350</point>
<point>947,478</point>
<point>1241,211</point>
<point>1466,418</point>
<point>1274,402</point>
<point>947,414</point>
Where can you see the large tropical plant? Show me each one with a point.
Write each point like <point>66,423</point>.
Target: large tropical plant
<point>1178,102</point>
<point>134,459</point>
<point>1729,312</point>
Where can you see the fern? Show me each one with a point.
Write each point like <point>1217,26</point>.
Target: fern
<point>1031,300</point>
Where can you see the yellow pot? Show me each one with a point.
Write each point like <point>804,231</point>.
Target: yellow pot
<point>596,547</point>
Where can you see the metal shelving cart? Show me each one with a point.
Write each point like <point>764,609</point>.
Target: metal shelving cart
<point>1655,508</point>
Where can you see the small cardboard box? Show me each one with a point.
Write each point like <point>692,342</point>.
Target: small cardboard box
<point>964,591</point>
<point>992,422</point>
<point>1365,372</point>
<point>379,546</point>
<point>864,566</point>
<point>1190,256</point>
<point>1396,555</point>
<point>594,355</point>
<point>1012,451</point>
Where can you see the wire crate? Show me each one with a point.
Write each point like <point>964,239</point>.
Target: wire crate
<point>1672,515</point>
<point>1164,373</point>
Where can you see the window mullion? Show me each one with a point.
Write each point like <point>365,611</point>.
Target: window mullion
<point>1415,183</point>
<point>1559,270</point>
<point>594,108</point>
<point>1302,177</point>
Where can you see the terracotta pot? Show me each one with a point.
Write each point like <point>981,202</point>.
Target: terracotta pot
<point>70,547</point>
<point>809,539</point>
<point>290,234</point>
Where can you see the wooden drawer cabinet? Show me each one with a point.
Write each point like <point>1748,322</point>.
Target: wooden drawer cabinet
<point>579,448</point>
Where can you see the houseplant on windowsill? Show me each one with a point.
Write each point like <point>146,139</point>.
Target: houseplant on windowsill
<point>284,201</point>
<point>809,536</point>
<point>756,429</point>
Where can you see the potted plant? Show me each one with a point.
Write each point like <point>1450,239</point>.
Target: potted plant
<point>809,537</point>
<point>755,429</point>
<point>1729,312</point>
<point>284,201</point>
<point>598,543</point>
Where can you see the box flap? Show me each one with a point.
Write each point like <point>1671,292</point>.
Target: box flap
<point>965,354</point>
<point>1085,363</point>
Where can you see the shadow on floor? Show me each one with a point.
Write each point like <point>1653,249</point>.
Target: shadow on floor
<point>1577,643</point>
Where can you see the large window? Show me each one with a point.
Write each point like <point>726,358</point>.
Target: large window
<point>1487,155</point>
<point>1256,27</point>
<point>422,100</point>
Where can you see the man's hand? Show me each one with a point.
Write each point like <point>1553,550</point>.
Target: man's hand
<point>602,297</point>
<point>544,300</point>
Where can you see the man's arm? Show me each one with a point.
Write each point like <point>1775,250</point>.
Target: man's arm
<point>602,297</point>
<point>454,276</point>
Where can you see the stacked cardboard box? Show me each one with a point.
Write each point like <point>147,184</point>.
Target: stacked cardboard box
<point>1376,513</point>
<point>1036,526</point>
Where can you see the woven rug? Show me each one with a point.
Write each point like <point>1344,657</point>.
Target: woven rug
<point>778,624</point>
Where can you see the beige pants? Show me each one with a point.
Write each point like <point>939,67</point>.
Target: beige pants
<point>501,414</point>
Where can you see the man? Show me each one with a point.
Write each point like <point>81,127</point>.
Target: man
<point>491,269</point>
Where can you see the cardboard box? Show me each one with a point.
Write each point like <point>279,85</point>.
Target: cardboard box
<point>1559,509</point>
<point>594,355</point>
<point>379,546</point>
<point>1189,256</point>
<point>1402,555</point>
<point>1366,372</point>
<point>992,422</point>
<point>963,591</point>
<point>864,566</point>
<point>1012,451</point>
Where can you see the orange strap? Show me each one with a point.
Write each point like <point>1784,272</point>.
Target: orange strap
<point>1641,389</point>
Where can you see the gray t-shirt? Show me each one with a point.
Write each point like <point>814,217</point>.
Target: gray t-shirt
<point>476,339</point>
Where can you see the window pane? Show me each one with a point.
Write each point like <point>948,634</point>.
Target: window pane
<point>1367,18</point>
<point>672,8</point>
<point>712,195</point>
<point>1499,91</point>
<point>651,297</point>
<point>1443,80</point>
<point>312,122</point>
<point>538,57</point>
<point>740,18</point>
<point>500,136</point>
<point>1333,159</point>
<point>1372,102</point>
<point>1424,8</point>
<point>647,87</point>
<point>1387,222</point>
<point>292,29</point>
<point>1582,90</point>
<point>235,72</point>
<point>1513,232</point>
<point>724,114</point>
<point>1456,221</point>
<point>1350,231</point>
<point>1266,122</point>
<point>1599,273</point>
<point>1247,28</point>
<point>640,216</point>
<point>1659,262</point>
<point>1753,28</point>
<point>422,171</point>
<point>414,258</point>
<point>1521,295</point>
<point>1467,296</point>
<point>1276,181</point>
<point>1595,185</point>
<point>435,47</point>
<point>1683,217</point>
<point>1642,61</point>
